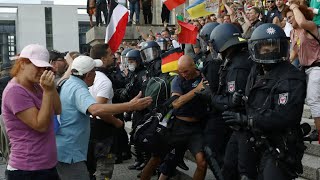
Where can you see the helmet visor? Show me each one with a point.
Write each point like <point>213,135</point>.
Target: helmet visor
<point>269,50</point>
<point>124,61</point>
<point>150,54</point>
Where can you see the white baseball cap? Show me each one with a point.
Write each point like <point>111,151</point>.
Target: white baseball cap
<point>84,64</point>
<point>37,54</point>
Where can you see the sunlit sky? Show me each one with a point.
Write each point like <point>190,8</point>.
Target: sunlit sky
<point>67,2</point>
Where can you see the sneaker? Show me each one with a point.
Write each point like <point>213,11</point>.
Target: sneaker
<point>313,136</point>
<point>141,166</point>
<point>135,165</point>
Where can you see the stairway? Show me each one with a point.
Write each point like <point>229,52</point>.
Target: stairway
<point>311,158</point>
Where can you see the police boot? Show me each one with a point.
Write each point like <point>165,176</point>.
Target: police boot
<point>139,157</point>
<point>313,136</point>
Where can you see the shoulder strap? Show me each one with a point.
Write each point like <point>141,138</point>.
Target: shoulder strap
<point>59,85</point>
<point>313,36</point>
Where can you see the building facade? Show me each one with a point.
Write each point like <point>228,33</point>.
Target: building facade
<point>59,27</point>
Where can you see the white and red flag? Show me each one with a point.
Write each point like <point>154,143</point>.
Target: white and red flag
<point>116,28</point>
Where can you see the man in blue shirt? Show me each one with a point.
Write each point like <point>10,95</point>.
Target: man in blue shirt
<point>73,134</point>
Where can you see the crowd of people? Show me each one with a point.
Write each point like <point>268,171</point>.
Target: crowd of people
<point>237,98</point>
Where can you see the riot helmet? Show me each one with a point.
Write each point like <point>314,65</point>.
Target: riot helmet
<point>123,58</point>
<point>150,51</point>
<point>134,55</point>
<point>205,32</point>
<point>225,36</point>
<point>269,44</point>
<point>163,43</point>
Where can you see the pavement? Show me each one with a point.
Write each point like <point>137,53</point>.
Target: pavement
<point>121,172</point>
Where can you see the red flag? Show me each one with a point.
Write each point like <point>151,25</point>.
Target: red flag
<point>173,3</point>
<point>187,33</point>
<point>116,29</point>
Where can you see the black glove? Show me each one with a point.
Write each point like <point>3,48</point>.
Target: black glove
<point>233,118</point>
<point>237,98</point>
<point>205,94</point>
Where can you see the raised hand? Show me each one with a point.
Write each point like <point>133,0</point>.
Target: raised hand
<point>47,81</point>
<point>138,103</point>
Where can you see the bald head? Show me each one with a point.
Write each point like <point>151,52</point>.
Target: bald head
<point>185,61</point>
<point>186,67</point>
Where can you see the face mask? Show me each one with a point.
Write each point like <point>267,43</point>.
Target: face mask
<point>131,67</point>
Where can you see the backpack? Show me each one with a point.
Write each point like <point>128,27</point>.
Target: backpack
<point>152,131</point>
<point>159,89</point>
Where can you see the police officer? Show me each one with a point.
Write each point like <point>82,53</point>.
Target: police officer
<point>150,54</point>
<point>275,95</point>
<point>163,43</point>
<point>226,39</point>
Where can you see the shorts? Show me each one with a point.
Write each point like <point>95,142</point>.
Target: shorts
<point>188,135</point>
<point>76,170</point>
<point>313,90</point>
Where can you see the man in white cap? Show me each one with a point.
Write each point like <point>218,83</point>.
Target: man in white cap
<point>74,131</point>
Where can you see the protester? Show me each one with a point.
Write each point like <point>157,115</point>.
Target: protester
<point>29,102</point>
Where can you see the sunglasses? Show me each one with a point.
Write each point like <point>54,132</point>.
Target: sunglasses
<point>270,1</point>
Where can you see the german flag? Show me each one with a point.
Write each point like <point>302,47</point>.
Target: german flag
<point>170,59</point>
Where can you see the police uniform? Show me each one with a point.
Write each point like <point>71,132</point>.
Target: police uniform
<point>275,104</point>
<point>227,40</point>
<point>275,94</point>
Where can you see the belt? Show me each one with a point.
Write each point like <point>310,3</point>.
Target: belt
<point>188,119</point>
<point>315,64</point>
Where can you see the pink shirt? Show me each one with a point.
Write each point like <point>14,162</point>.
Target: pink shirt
<point>309,50</point>
<point>30,149</point>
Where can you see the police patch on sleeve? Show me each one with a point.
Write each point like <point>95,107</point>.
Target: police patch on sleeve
<point>283,98</point>
<point>231,86</point>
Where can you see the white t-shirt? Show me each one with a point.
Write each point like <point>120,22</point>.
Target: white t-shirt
<point>175,44</point>
<point>102,87</point>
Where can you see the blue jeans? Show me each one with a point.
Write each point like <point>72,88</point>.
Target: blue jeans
<point>135,8</point>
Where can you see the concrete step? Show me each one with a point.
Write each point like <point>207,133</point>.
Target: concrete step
<point>313,148</point>
<point>301,178</point>
<point>311,167</point>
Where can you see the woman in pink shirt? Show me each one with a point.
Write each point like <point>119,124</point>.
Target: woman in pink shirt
<point>29,102</point>
<point>306,45</point>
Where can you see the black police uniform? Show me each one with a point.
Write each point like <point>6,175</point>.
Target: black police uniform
<point>233,77</point>
<point>275,104</point>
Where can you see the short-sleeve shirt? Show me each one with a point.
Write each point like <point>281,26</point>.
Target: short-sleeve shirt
<point>195,107</point>
<point>102,87</point>
<point>272,14</point>
<point>73,134</point>
<point>30,150</point>
<point>189,48</point>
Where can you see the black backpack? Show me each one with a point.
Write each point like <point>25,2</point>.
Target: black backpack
<point>152,131</point>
